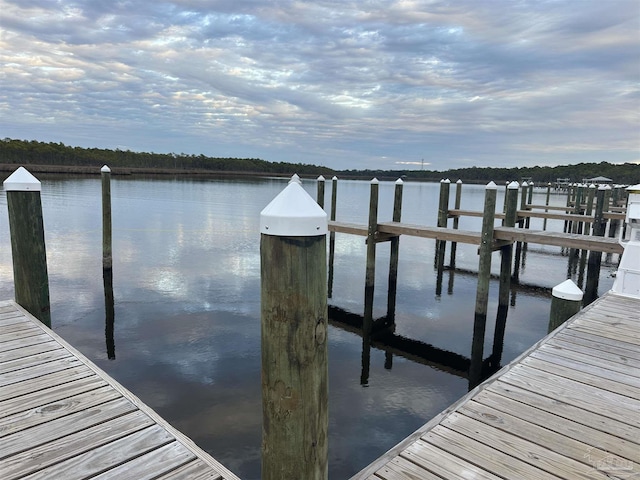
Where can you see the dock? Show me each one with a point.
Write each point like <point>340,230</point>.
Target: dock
<point>568,408</point>
<point>63,417</point>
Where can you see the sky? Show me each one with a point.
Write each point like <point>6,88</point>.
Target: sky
<point>346,84</point>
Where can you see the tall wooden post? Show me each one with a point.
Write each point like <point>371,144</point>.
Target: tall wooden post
<point>482,292</point>
<point>565,303</point>
<point>589,207</point>
<point>595,258</point>
<point>456,221</point>
<point>529,202</point>
<point>320,192</point>
<point>332,235</point>
<point>546,202</point>
<point>577,209</point>
<point>30,276</point>
<point>294,337</point>
<point>523,201</point>
<point>506,253</point>
<point>443,214</point>
<point>394,254</point>
<point>105,173</point>
<point>370,274</point>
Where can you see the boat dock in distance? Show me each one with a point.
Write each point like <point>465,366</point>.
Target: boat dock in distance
<point>61,417</point>
<point>568,408</point>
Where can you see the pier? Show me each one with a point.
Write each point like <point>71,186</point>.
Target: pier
<point>567,408</point>
<point>63,417</point>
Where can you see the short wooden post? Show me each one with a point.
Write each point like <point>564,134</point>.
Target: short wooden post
<point>595,258</point>
<point>589,207</point>
<point>107,261</point>
<point>320,196</point>
<point>523,202</point>
<point>294,336</point>
<point>529,202</point>
<point>482,292</point>
<point>332,235</point>
<point>394,254</point>
<point>565,303</point>
<point>546,202</point>
<point>370,274</point>
<point>456,221</point>
<point>26,227</point>
<point>577,209</point>
<point>506,253</point>
<point>443,215</point>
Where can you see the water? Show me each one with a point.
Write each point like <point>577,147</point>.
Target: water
<point>186,280</point>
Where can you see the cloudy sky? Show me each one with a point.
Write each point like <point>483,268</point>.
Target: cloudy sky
<point>347,84</point>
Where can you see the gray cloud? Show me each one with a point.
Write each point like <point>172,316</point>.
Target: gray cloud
<point>345,84</point>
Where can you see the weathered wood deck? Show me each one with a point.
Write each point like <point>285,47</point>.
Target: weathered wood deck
<point>61,417</point>
<point>568,408</point>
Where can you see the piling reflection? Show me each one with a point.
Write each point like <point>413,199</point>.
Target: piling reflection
<point>109,322</point>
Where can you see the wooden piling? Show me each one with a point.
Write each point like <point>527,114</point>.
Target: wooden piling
<point>443,215</point>
<point>320,192</point>
<point>565,303</point>
<point>482,292</point>
<point>506,253</point>
<point>456,220</point>
<point>595,258</point>
<point>370,273</point>
<point>107,261</point>
<point>26,227</point>
<point>529,202</point>
<point>546,202</point>
<point>394,254</point>
<point>294,337</point>
<point>591,193</point>
<point>332,235</point>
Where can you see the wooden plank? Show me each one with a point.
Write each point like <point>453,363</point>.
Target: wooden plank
<point>597,362</point>
<point>63,426</point>
<point>48,395</point>
<point>195,470</point>
<point>488,458</point>
<point>620,339</point>
<point>401,469</point>
<point>24,342</point>
<point>39,370</point>
<point>69,446</point>
<point>17,326</point>
<point>151,464</point>
<point>576,393</point>
<point>61,408</point>
<point>522,450</point>
<point>570,240</point>
<point>625,349</point>
<point>46,381</point>
<point>13,336</point>
<point>32,361</point>
<point>487,401</point>
<point>20,353</point>
<point>581,343</point>
<point>438,233</point>
<point>351,228</point>
<point>103,458</point>
<point>561,408</point>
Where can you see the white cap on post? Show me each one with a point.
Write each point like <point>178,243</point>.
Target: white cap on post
<point>567,290</point>
<point>22,181</point>
<point>105,169</point>
<point>293,213</point>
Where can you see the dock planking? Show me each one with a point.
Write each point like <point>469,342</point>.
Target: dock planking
<point>63,417</point>
<point>568,408</point>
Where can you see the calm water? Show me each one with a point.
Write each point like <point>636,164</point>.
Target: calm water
<point>187,306</point>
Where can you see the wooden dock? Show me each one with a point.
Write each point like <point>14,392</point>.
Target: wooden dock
<point>61,417</point>
<point>567,408</point>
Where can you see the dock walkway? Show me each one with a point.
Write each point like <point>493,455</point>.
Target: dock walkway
<point>63,417</point>
<point>567,408</point>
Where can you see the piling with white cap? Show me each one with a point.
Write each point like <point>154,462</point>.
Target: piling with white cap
<point>294,336</point>
<point>105,173</point>
<point>332,235</point>
<point>30,276</point>
<point>482,291</point>
<point>320,196</point>
<point>566,299</point>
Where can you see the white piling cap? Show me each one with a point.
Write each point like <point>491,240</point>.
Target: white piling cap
<point>513,186</point>
<point>525,184</point>
<point>334,178</point>
<point>293,213</point>
<point>491,186</point>
<point>295,179</point>
<point>22,181</point>
<point>446,180</point>
<point>593,185</point>
<point>567,290</point>
<point>374,181</point>
<point>399,181</point>
<point>459,181</point>
<point>105,169</point>
<point>321,178</point>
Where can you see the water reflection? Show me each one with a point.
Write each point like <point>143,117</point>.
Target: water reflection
<point>109,308</point>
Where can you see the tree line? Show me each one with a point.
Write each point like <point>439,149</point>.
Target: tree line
<point>25,152</point>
